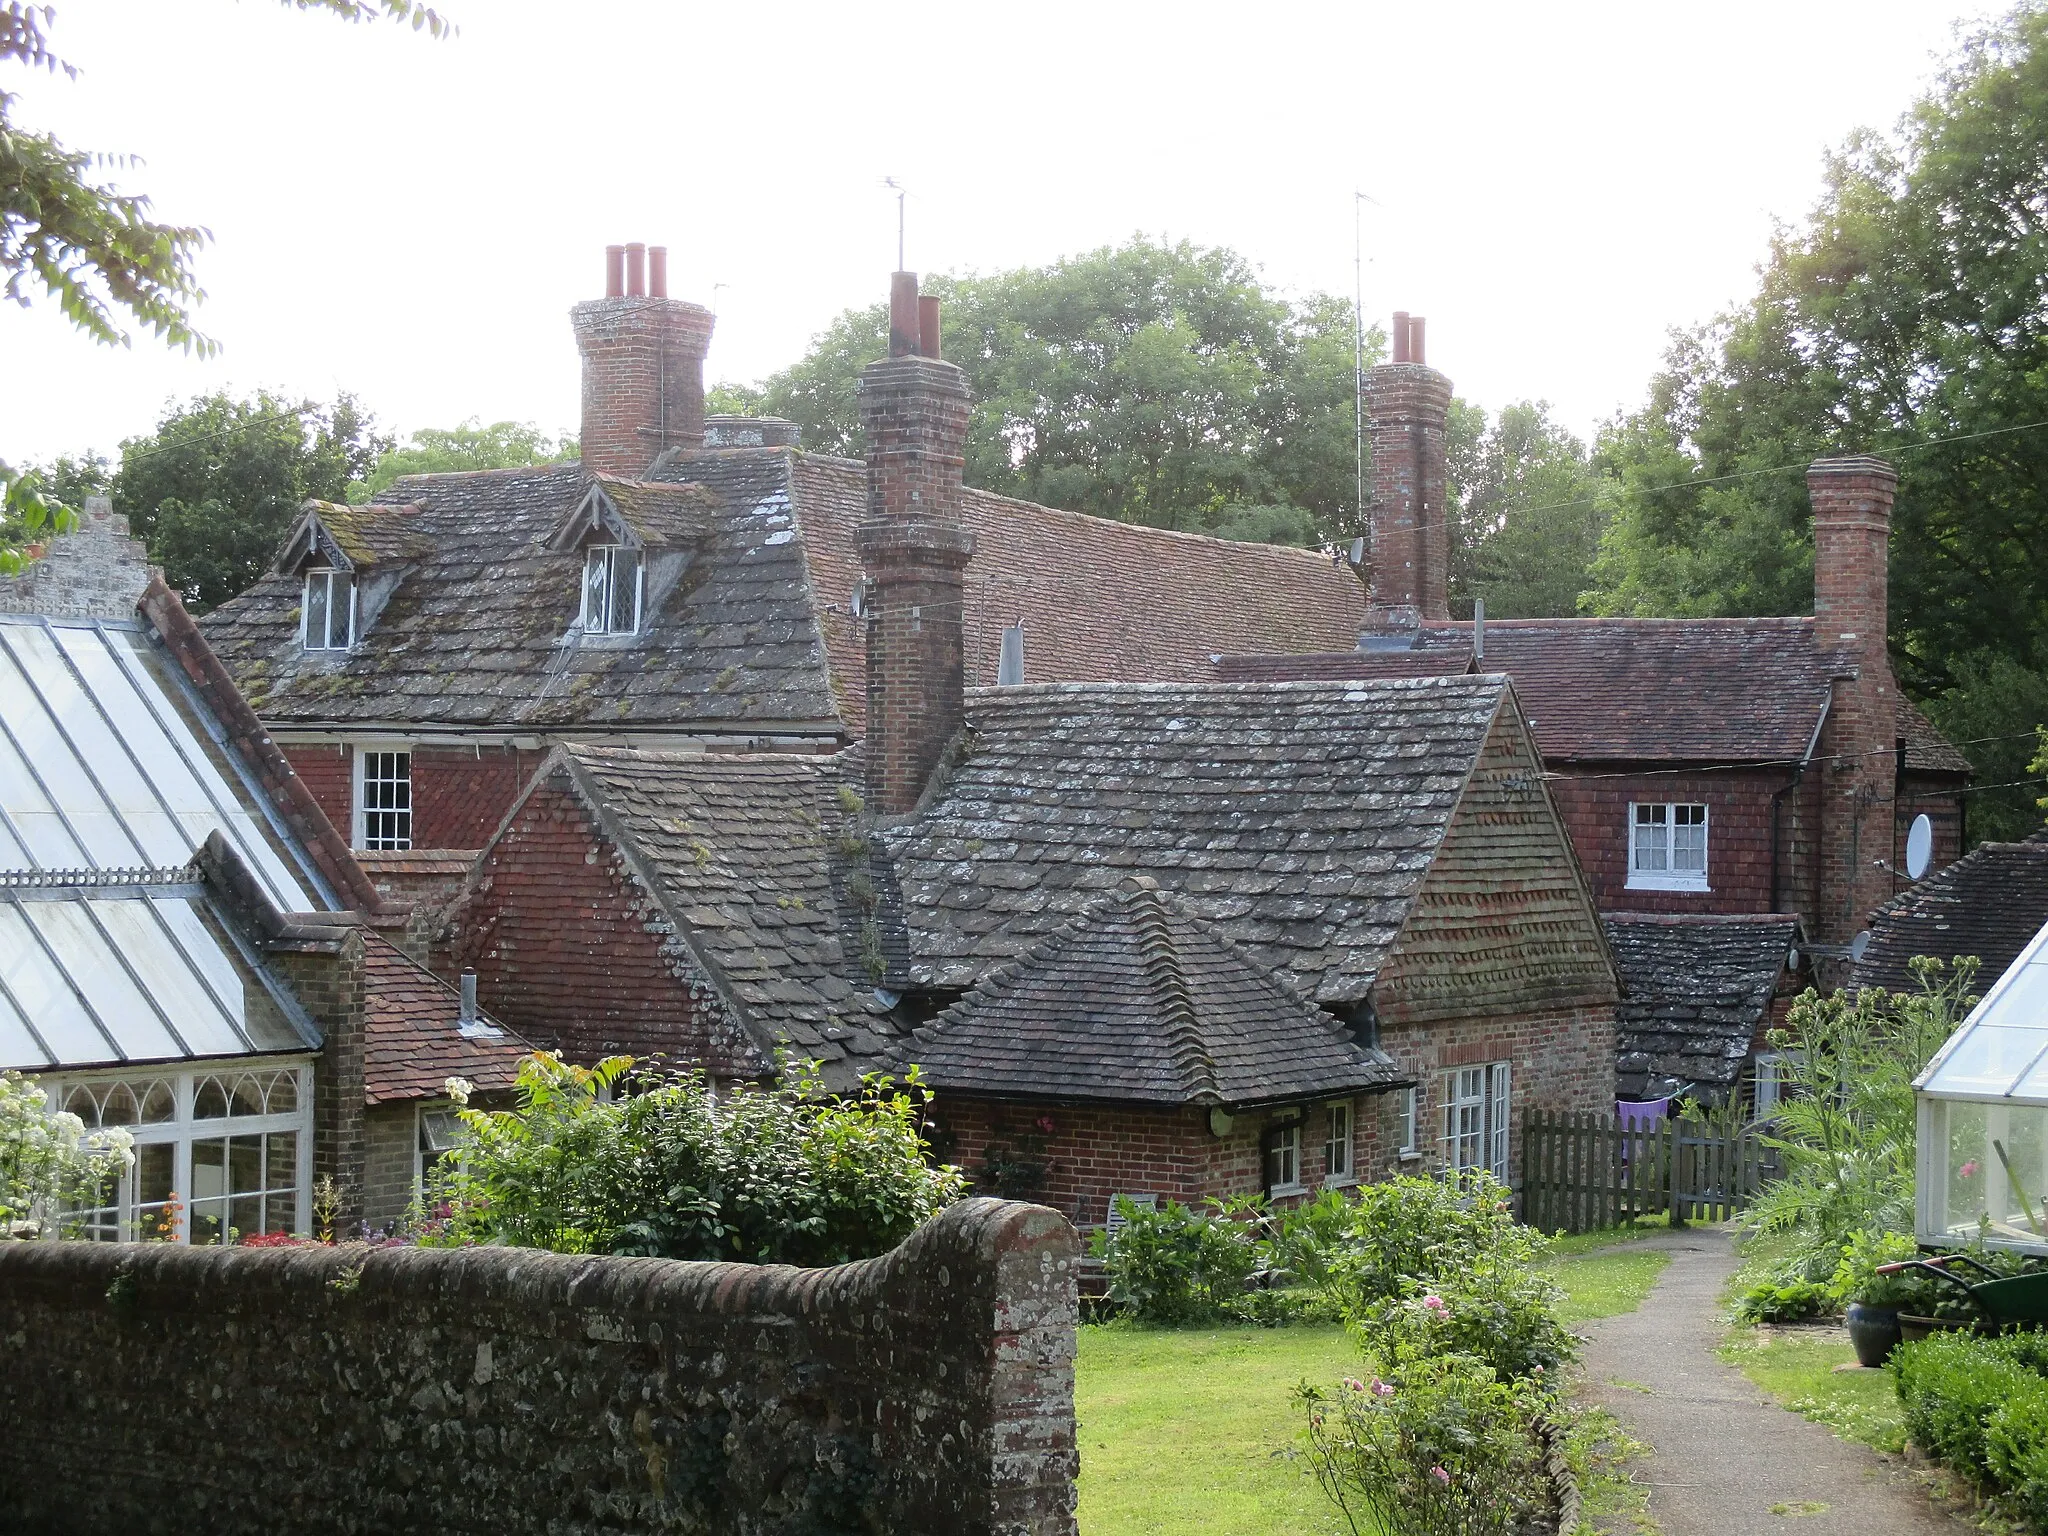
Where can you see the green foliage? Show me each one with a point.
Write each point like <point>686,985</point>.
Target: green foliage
<point>1846,1128</point>
<point>1150,382</point>
<point>215,488</point>
<point>678,1169</point>
<point>1856,1277</point>
<point>1906,308</point>
<point>48,1164</point>
<point>1793,1302</point>
<point>1179,1265</point>
<point>30,508</point>
<point>1436,1446</point>
<point>89,246</point>
<point>1529,516</point>
<point>1955,1387</point>
<point>2016,1454</point>
<point>432,450</point>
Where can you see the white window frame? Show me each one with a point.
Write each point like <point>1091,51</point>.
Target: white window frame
<point>1772,1075</point>
<point>599,615</point>
<point>330,576</point>
<point>1340,1144</point>
<point>426,1126</point>
<point>360,811</point>
<point>1283,1155</point>
<point>1478,1108</point>
<point>1409,1117</point>
<point>1658,872</point>
<point>124,1220</point>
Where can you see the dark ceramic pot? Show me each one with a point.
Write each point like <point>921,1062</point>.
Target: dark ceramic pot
<point>1874,1331</point>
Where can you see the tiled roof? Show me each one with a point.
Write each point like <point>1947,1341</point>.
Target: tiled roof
<point>1100,601</point>
<point>484,631</point>
<point>1138,1001</point>
<point>1989,903</point>
<point>479,627</point>
<point>753,856</point>
<point>1299,818</point>
<point>411,1043</point>
<point>1698,989</point>
<point>1638,690</point>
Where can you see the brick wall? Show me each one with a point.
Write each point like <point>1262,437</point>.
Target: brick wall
<point>158,1389</point>
<point>390,1133</point>
<point>459,794</point>
<point>329,983</point>
<point>1560,1059</point>
<point>328,772</point>
<point>1093,1152</point>
<point>643,380</point>
<point>575,955</point>
<point>1595,805</point>
<point>96,571</point>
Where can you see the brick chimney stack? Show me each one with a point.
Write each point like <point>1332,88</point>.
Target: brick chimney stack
<point>1852,511</point>
<point>1409,404</point>
<point>643,365</point>
<point>914,546</point>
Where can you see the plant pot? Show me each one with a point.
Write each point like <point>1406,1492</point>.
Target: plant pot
<point>1913,1329</point>
<point>1874,1331</point>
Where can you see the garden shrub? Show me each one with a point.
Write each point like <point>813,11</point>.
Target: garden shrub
<point>1856,1277</point>
<point>1281,1307</point>
<point>1952,1384</point>
<point>679,1169</point>
<point>2016,1454</point>
<point>48,1164</point>
<point>1436,1446</point>
<point>1179,1265</point>
<point>1791,1303</point>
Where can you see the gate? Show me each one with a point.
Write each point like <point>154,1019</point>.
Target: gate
<point>1582,1171</point>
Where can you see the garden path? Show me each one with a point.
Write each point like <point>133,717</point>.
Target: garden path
<point>1725,1454</point>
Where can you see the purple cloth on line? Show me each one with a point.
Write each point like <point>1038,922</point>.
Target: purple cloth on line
<point>1635,1117</point>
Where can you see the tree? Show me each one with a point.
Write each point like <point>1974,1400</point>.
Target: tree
<point>1905,317</point>
<point>431,450</point>
<point>215,488</point>
<point>1528,515</point>
<point>1148,382</point>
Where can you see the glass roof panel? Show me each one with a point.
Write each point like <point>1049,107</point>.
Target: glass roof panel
<point>1988,1060</point>
<point>40,992</point>
<point>94,968</point>
<point>58,781</point>
<point>1999,1049</point>
<point>18,1047</point>
<point>177,988</point>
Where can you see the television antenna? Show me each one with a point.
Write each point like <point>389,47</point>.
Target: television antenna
<point>901,192</point>
<point>1358,202</point>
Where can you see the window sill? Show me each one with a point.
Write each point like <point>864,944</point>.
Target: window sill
<point>1287,1189</point>
<point>1348,1181</point>
<point>1660,883</point>
<point>1410,1155</point>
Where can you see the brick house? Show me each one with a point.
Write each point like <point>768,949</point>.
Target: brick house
<point>1754,768</point>
<point>186,947</point>
<point>1381,863</point>
<point>693,584</point>
<point>1989,903</point>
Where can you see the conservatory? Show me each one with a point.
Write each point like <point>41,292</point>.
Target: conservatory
<point>1983,1104</point>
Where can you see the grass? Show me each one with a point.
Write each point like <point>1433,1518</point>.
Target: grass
<point>1190,1430</point>
<point>1796,1366</point>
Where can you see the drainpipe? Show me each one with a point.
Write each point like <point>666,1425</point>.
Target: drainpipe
<point>1778,798</point>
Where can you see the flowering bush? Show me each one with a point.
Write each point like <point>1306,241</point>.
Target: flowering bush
<point>1435,1446</point>
<point>1180,1265</point>
<point>48,1164</point>
<point>676,1168</point>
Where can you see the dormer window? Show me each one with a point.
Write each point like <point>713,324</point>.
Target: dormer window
<point>329,613</point>
<point>612,579</point>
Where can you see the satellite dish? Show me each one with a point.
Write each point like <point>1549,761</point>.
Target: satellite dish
<point>1358,551</point>
<point>1859,944</point>
<point>1919,847</point>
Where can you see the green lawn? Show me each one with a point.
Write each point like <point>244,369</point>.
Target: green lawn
<point>1189,1430</point>
<point>1797,1368</point>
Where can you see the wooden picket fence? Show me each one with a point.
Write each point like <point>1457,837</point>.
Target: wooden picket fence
<point>1581,1172</point>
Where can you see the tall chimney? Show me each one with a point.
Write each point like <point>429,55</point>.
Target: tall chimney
<point>914,548</point>
<point>1410,403</point>
<point>1852,519</point>
<point>643,366</point>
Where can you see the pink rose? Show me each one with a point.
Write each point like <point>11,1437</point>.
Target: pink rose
<point>1440,1474</point>
<point>1969,1169</point>
<point>1435,1303</point>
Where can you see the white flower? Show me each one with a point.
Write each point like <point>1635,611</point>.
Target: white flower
<point>459,1089</point>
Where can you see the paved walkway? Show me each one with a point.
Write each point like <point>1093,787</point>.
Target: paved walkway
<point>1725,1453</point>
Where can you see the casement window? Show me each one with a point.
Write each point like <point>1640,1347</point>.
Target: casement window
<point>1477,1103</point>
<point>221,1153</point>
<point>327,618</point>
<point>383,809</point>
<point>1774,1081</point>
<point>1283,1159</point>
<point>1337,1167</point>
<point>440,1134</point>
<point>612,580</point>
<point>1407,1112</point>
<point>1667,847</point>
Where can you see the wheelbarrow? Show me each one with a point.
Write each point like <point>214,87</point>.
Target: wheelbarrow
<point>2005,1302</point>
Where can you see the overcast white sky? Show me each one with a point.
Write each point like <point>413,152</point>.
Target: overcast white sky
<point>411,220</point>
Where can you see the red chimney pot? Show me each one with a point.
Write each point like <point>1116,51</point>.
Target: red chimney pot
<point>657,271</point>
<point>615,271</point>
<point>1401,336</point>
<point>902,314</point>
<point>928,325</point>
<point>1415,352</point>
<point>636,270</point>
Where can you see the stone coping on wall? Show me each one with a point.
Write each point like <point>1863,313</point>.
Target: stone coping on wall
<point>510,1390</point>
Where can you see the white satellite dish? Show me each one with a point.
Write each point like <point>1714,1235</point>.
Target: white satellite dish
<point>1859,944</point>
<point>1919,847</point>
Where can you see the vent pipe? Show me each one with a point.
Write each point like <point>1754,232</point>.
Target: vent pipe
<point>1010,669</point>
<point>467,1016</point>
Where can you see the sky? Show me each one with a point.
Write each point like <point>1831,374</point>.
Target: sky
<point>1555,186</point>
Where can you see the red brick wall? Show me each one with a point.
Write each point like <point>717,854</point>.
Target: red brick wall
<point>1920,794</point>
<point>643,380</point>
<point>1096,1151</point>
<point>459,794</point>
<point>573,954</point>
<point>328,771</point>
<point>1595,807</point>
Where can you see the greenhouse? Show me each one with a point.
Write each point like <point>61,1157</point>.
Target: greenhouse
<point>1983,1171</point>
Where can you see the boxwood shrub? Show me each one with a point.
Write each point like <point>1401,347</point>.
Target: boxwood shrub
<point>1980,1406</point>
